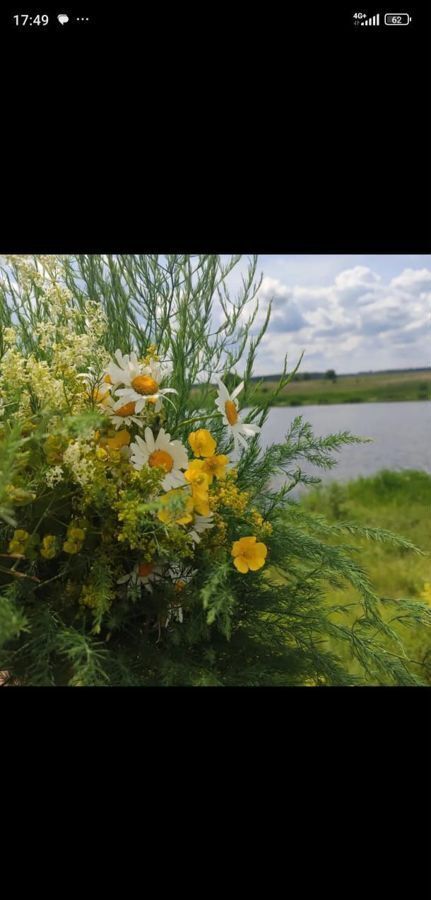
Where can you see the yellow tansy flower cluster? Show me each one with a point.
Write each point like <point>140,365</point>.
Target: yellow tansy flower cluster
<point>230,496</point>
<point>19,542</point>
<point>256,519</point>
<point>49,546</point>
<point>75,539</point>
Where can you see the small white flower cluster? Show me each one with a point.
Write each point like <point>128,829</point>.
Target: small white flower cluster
<point>27,271</point>
<point>14,369</point>
<point>54,475</point>
<point>45,387</point>
<point>81,469</point>
<point>9,337</point>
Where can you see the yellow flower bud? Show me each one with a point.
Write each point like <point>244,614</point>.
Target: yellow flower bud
<point>75,534</point>
<point>18,496</point>
<point>16,547</point>
<point>71,547</point>
<point>202,442</point>
<point>48,548</point>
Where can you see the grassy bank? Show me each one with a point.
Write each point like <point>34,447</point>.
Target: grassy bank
<point>374,388</point>
<point>399,502</point>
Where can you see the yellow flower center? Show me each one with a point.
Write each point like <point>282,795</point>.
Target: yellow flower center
<point>179,585</point>
<point>107,379</point>
<point>127,410</point>
<point>231,412</point>
<point>162,459</point>
<point>144,384</point>
<point>145,569</point>
<point>212,464</point>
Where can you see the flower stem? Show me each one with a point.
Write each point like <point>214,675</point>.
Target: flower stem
<point>197,419</point>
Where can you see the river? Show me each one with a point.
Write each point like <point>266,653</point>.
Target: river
<point>400,432</point>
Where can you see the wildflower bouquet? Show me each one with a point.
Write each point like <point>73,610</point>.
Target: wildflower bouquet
<point>141,539</point>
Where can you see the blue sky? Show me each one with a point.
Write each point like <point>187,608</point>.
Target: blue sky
<point>350,313</point>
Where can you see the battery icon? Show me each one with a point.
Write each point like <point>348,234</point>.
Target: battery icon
<point>397,19</point>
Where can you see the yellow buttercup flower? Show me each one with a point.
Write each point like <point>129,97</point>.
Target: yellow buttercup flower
<point>199,482</point>
<point>248,554</point>
<point>215,467</point>
<point>202,442</point>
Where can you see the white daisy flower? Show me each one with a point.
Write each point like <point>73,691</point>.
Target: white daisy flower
<point>142,575</point>
<point>144,387</point>
<point>121,415</point>
<point>161,451</point>
<point>200,524</point>
<point>124,370</point>
<point>228,407</point>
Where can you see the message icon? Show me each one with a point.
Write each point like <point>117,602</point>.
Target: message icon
<point>63,18</point>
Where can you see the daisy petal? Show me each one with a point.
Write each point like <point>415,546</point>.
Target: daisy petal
<point>249,428</point>
<point>149,437</point>
<point>237,391</point>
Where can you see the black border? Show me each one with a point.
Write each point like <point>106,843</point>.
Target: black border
<point>263,134</point>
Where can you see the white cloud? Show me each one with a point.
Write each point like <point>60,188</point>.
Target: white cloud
<point>360,320</point>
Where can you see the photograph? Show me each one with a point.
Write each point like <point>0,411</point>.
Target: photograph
<point>215,470</point>
<point>215,421</point>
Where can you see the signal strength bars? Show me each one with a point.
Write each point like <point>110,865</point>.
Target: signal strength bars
<point>374,20</point>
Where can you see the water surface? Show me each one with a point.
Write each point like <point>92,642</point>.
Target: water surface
<point>400,432</point>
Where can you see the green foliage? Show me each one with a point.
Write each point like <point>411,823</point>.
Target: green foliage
<point>398,501</point>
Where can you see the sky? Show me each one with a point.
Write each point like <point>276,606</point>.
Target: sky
<point>348,313</point>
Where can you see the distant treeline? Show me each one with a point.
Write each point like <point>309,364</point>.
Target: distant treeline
<point>315,376</point>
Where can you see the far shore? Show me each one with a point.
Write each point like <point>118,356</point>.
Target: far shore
<point>380,387</point>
